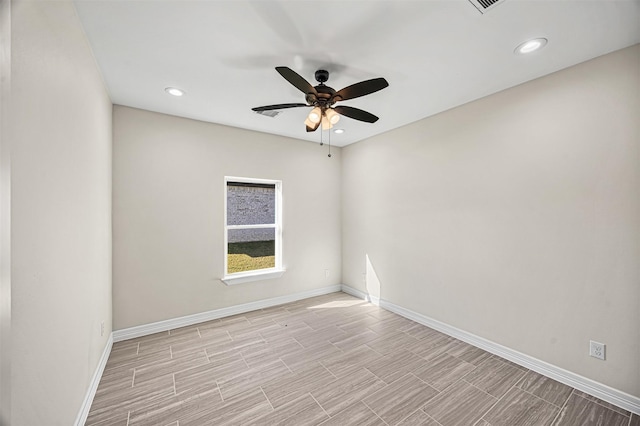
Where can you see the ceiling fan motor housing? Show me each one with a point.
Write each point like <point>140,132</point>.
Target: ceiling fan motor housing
<point>322,76</point>
<point>322,97</point>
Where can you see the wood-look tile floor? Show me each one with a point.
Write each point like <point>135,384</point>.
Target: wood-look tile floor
<point>329,360</point>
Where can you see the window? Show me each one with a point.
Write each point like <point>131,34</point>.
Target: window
<point>253,230</point>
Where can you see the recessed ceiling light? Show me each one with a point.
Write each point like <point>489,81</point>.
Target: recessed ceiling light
<point>338,131</point>
<point>174,91</point>
<point>530,46</point>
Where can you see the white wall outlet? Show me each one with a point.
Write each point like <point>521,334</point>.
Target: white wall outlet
<point>326,273</point>
<point>597,350</point>
<point>102,328</point>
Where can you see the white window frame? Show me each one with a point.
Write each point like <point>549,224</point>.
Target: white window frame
<point>257,274</point>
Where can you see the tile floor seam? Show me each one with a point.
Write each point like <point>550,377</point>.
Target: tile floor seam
<point>294,338</point>
<point>175,392</point>
<point>133,378</point>
<point>487,393</point>
<point>423,381</point>
<point>519,383</point>
<point>604,406</point>
<point>413,412</point>
<point>489,358</point>
<point>244,360</point>
<point>367,405</point>
<point>268,400</point>
<point>484,391</point>
<point>219,390</point>
<point>319,405</point>
<point>333,344</point>
<point>199,334</point>
<point>367,345</point>
<point>451,385</point>
<point>378,377</point>
<point>475,367</point>
<point>128,417</point>
<point>419,409</point>
<point>427,414</point>
<point>138,349</point>
<point>562,408</point>
<point>329,371</point>
<point>285,364</point>
<point>538,397</point>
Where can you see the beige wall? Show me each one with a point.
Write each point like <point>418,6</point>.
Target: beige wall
<point>5,212</point>
<point>515,217</point>
<point>61,214</point>
<point>168,218</point>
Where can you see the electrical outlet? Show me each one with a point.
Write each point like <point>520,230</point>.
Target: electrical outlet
<point>102,328</point>
<point>597,350</point>
<point>326,273</point>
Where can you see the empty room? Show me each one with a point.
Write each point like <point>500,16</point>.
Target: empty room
<point>281,212</point>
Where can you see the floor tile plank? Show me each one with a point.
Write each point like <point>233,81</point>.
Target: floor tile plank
<point>443,370</point>
<point>460,405</point>
<point>293,385</point>
<point>418,418</point>
<point>394,402</point>
<point>546,388</point>
<point>494,377</point>
<point>356,414</point>
<point>303,411</point>
<point>331,360</point>
<point>519,408</point>
<point>579,411</point>
<point>347,390</point>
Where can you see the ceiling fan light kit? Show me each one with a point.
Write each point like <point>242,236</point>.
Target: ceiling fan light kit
<point>322,99</point>
<point>314,115</point>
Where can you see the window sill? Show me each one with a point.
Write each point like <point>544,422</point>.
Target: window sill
<point>247,277</point>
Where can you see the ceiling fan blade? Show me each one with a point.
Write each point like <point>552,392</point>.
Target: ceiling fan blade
<point>356,114</point>
<point>360,89</point>
<point>278,106</point>
<point>314,128</point>
<point>294,78</point>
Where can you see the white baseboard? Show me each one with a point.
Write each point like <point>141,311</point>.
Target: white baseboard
<point>93,385</point>
<point>156,327</point>
<point>361,295</point>
<point>599,390</point>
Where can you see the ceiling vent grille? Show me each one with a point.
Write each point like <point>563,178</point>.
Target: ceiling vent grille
<point>271,113</point>
<point>484,6</point>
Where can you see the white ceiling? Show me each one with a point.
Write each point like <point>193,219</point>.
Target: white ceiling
<point>435,54</point>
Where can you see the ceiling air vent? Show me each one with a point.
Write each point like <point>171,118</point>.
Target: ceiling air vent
<point>271,113</point>
<point>485,5</point>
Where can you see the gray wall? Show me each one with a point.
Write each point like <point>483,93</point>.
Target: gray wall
<point>168,214</point>
<point>61,214</point>
<point>515,217</point>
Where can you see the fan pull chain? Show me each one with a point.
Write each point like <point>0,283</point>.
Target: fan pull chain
<point>329,142</point>
<point>321,143</point>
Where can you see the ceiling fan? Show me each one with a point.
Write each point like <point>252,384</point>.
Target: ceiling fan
<point>322,98</point>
